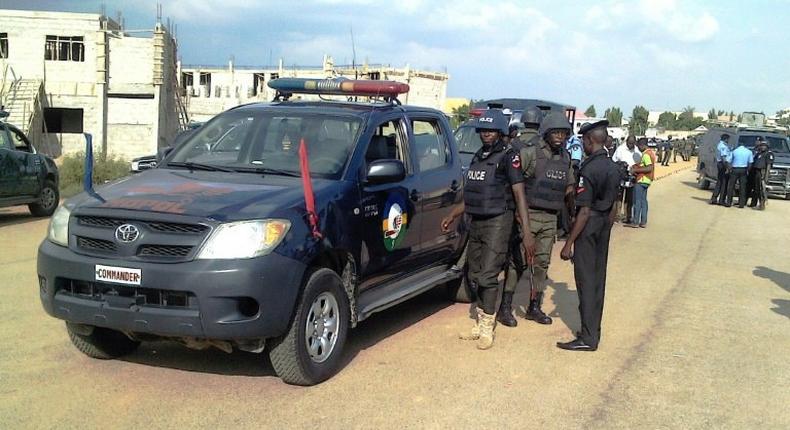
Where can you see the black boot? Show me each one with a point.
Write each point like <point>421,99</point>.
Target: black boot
<point>505,314</point>
<point>535,313</point>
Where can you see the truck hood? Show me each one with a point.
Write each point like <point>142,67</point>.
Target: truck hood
<point>216,195</point>
<point>782,158</point>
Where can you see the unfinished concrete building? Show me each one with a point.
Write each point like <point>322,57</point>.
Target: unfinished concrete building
<point>68,73</point>
<point>210,90</point>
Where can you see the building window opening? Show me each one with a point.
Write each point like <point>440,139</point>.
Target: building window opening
<point>187,80</point>
<point>274,76</point>
<point>374,76</point>
<point>257,83</point>
<point>65,48</point>
<point>205,82</point>
<point>63,120</point>
<point>3,45</point>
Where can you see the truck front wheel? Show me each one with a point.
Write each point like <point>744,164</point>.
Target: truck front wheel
<point>312,349</point>
<point>101,343</point>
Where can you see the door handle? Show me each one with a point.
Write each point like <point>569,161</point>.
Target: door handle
<point>414,196</point>
<point>454,186</point>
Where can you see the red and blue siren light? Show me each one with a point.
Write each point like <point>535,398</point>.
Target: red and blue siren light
<point>339,86</point>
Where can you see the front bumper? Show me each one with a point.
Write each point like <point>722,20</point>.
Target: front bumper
<point>212,299</point>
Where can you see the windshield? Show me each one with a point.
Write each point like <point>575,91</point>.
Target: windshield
<point>269,141</point>
<point>775,143</point>
<point>468,139</point>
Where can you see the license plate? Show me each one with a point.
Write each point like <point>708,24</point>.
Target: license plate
<point>119,275</point>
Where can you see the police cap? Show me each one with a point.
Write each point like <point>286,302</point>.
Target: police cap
<point>588,127</point>
<point>492,119</point>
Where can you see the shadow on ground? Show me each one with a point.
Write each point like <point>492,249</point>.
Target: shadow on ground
<point>781,279</point>
<point>373,330</point>
<point>17,217</point>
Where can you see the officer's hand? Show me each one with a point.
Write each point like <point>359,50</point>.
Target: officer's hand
<point>446,224</point>
<point>567,252</point>
<point>528,241</point>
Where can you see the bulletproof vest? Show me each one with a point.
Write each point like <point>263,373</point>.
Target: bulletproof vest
<point>546,190</point>
<point>487,191</point>
<point>761,160</point>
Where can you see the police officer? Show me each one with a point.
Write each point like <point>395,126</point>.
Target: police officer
<point>723,159</point>
<point>763,159</point>
<point>494,188</point>
<point>588,243</point>
<point>546,166</point>
<point>532,118</point>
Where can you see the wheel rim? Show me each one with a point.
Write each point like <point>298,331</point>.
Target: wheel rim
<point>47,197</point>
<point>321,327</point>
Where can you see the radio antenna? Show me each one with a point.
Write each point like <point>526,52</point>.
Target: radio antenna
<point>353,53</point>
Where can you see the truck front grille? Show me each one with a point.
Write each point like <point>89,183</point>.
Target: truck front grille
<point>164,251</point>
<point>159,241</point>
<point>89,244</point>
<point>130,295</point>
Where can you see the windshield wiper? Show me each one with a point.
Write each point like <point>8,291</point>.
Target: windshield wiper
<point>267,170</point>
<point>198,166</point>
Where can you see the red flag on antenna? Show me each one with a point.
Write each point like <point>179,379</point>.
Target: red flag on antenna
<point>307,185</point>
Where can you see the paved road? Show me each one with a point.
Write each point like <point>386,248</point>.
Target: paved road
<point>696,335</point>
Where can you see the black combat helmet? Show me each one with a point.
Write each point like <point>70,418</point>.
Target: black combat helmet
<point>554,121</point>
<point>532,117</point>
<point>492,119</point>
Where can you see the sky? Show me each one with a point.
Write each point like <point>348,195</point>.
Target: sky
<point>662,54</point>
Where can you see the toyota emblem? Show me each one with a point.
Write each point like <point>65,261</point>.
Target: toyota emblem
<point>127,233</point>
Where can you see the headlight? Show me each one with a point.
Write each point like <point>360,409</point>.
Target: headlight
<point>59,226</point>
<point>245,239</point>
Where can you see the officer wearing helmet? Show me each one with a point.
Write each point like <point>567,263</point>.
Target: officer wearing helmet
<point>549,185</point>
<point>532,117</point>
<point>494,188</point>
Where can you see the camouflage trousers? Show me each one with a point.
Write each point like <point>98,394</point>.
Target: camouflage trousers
<point>543,226</point>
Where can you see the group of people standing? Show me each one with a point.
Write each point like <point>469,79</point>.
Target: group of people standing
<point>672,148</point>
<point>637,162</point>
<point>515,190</point>
<point>742,167</point>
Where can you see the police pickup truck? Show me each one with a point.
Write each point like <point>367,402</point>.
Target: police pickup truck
<point>26,177</point>
<point>274,227</point>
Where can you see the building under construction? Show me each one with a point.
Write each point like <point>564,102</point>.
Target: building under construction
<point>64,74</point>
<point>210,90</point>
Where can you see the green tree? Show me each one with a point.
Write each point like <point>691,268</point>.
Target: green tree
<point>667,121</point>
<point>732,115</point>
<point>712,113</point>
<point>460,114</point>
<point>687,120</point>
<point>590,112</point>
<point>720,113</point>
<point>614,115</point>
<point>638,124</point>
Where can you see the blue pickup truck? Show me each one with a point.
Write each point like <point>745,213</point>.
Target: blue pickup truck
<point>275,227</point>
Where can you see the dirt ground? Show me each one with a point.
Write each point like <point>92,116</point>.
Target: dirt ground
<point>696,334</point>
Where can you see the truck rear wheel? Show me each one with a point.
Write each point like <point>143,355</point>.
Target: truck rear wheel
<point>47,201</point>
<point>101,343</point>
<point>311,351</point>
<point>703,182</point>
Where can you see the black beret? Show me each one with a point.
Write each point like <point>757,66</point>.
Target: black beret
<point>587,127</point>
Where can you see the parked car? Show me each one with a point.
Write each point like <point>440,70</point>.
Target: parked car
<point>224,244</point>
<point>26,177</point>
<point>778,181</point>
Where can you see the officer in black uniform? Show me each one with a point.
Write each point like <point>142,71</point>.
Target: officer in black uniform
<point>494,188</point>
<point>588,243</point>
<point>763,160</point>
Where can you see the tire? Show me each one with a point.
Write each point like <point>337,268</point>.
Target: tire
<point>101,343</point>
<point>323,298</point>
<point>460,291</point>
<point>704,183</point>
<point>47,201</point>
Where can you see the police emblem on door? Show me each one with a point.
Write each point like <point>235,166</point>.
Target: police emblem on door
<point>395,222</point>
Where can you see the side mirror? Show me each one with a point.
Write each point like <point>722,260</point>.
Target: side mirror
<point>385,172</point>
<point>162,153</point>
